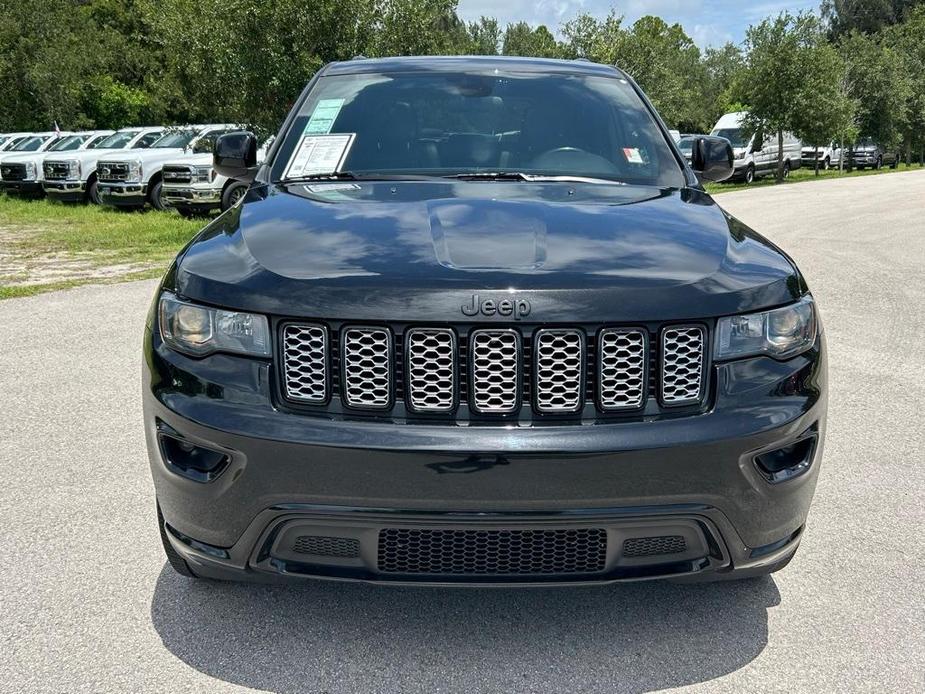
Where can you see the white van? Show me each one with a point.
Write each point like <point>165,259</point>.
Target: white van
<point>756,156</point>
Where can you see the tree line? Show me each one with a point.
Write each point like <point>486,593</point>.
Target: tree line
<point>857,67</point>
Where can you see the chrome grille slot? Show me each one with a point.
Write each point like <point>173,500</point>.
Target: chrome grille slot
<point>111,171</point>
<point>176,174</point>
<point>622,368</point>
<point>559,360</point>
<point>56,170</point>
<point>366,367</point>
<point>305,357</point>
<point>495,366</point>
<point>683,350</point>
<point>431,371</point>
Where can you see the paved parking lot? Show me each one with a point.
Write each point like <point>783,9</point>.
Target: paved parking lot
<point>86,603</point>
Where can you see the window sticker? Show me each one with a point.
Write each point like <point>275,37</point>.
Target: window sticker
<point>319,154</point>
<point>632,155</point>
<point>323,117</point>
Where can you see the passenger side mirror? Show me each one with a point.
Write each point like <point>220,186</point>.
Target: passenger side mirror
<point>711,159</point>
<point>235,156</point>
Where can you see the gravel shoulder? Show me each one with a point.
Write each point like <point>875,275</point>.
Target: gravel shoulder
<point>86,603</point>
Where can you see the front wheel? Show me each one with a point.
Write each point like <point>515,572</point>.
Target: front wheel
<point>879,164</point>
<point>826,164</point>
<point>154,196</point>
<point>895,163</point>
<point>750,174</point>
<point>93,192</point>
<point>233,194</point>
<point>177,563</point>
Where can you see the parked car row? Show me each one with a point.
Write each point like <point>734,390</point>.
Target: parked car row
<point>156,165</point>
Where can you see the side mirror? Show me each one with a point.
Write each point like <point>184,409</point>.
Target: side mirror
<point>711,159</point>
<point>235,156</point>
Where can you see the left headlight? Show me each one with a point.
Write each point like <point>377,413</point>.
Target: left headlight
<point>73,169</point>
<point>781,333</point>
<point>133,175</point>
<point>202,174</point>
<point>30,169</point>
<point>200,330</point>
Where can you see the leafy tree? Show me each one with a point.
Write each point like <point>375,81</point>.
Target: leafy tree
<point>484,36</point>
<point>721,68</point>
<point>522,39</point>
<point>865,16</point>
<point>907,42</point>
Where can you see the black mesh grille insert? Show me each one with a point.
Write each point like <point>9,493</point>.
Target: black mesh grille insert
<point>492,552</point>
<point>343,547</point>
<point>652,546</point>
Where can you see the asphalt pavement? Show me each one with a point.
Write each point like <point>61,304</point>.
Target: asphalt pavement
<point>87,603</point>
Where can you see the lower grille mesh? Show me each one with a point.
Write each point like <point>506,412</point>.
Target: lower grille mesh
<point>342,547</point>
<point>492,552</point>
<point>652,546</point>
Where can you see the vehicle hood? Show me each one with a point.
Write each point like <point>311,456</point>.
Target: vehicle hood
<point>146,156</point>
<point>204,159</point>
<point>85,155</point>
<point>375,251</point>
<point>23,157</point>
<point>865,148</point>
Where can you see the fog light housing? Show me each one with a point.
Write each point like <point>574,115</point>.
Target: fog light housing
<point>787,462</point>
<point>192,461</point>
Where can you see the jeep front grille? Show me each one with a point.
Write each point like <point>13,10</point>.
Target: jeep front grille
<point>492,373</point>
<point>431,371</point>
<point>495,380</point>
<point>111,171</point>
<point>560,368</point>
<point>683,351</point>
<point>305,355</point>
<point>622,369</point>
<point>367,367</point>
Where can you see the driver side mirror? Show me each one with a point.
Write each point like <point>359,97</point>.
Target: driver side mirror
<point>235,156</point>
<point>711,159</point>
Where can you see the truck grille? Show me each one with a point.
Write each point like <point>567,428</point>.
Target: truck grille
<point>56,170</point>
<point>492,552</point>
<point>683,353</point>
<point>494,372</point>
<point>13,172</point>
<point>176,174</point>
<point>111,171</point>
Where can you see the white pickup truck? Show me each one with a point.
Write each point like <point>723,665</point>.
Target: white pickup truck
<point>71,176</point>
<point>10,140</point>
<point>132,179</point>
<point>191,186</point>
<point>21,164</point>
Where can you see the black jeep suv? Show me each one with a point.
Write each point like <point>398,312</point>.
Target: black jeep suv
<point>477,321</point>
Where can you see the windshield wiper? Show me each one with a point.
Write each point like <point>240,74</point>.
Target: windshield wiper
<point>354,176</point>
<point>532,178</point>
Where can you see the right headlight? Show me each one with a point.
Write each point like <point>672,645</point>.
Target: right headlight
<point>781,333</point>
<point>134,172</point>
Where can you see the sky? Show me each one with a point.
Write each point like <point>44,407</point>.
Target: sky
<point>707,23</point>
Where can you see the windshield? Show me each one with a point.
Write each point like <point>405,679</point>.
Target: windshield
<point>178,138</point>
<point>65,144</point>
<point>449,123</point>
<point>29,144</point>
<point>866,142</point>
<point>117,140</point>
<point>735,136</point>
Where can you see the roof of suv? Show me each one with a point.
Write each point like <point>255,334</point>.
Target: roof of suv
<point>469,63</point>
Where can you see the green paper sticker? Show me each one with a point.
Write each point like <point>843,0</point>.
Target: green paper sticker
<point>323,117</point>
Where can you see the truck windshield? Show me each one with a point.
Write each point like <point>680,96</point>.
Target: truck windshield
<point>735,136</point>
<point>117,140</point>
<point>470,123</point>
<point>178,138</point>
<point>65,144</point>
<point>30,144</point>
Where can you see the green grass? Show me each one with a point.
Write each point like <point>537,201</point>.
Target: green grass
<point>803,175</point>
<point>45,246</point>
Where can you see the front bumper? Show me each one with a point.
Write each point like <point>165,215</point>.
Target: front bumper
<point>123,194</point>
<point>66,191</point>
<point>290,475</point>
<point>23,188</point>
<point>192,197</point>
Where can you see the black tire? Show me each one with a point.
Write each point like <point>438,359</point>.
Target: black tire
<point>879,164</point>
<point>826,164</point>
<point>895,163</point>
<point>749,174</point>
<point>93,191</point>
<point>177,563</point>
<point>786,169</point>
<point>154,196</point>
<point>232,194</point>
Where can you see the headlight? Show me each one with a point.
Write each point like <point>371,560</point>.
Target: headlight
<point>73,169</point>
<point>200,330</point>
<point>740,155</point>
<point>134,172</point>
<point>781,333</point>
<point>202,174</point>
<point>30,169</point>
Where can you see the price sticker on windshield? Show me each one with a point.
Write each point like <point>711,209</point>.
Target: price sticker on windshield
<point>632,155</point>
<point>319,154</point>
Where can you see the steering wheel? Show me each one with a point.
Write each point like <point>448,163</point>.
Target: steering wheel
<point>573,159</point>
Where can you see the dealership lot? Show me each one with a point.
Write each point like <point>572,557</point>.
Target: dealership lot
<point>86,603</point>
